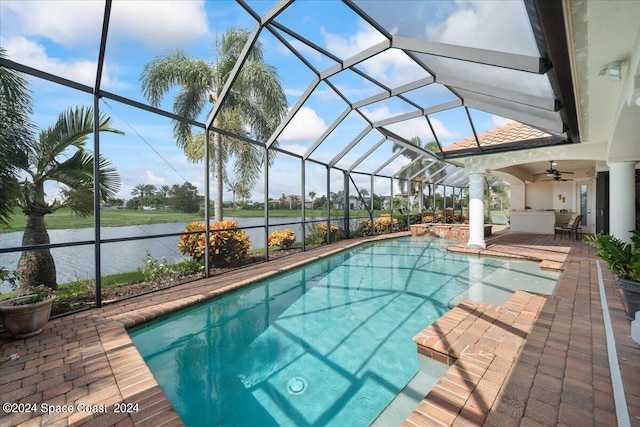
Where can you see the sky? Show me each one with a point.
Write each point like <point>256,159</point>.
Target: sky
<point>62,37</point>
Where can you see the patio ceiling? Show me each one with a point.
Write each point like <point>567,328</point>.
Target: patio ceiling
<point>513,67</point>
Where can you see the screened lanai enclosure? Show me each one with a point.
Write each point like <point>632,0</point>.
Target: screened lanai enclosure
<point>304,122</point>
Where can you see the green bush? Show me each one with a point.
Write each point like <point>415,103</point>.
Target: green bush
<point>164,272</point>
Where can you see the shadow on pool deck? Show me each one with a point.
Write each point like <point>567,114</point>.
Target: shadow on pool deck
<point>559,374</point>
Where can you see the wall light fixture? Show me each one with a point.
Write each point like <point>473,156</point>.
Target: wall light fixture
<point>613,71</point>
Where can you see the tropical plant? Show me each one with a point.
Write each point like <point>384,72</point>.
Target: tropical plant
<point>623,259</point>
<point>236,190</point>
<point>35,293</point>
<point>163,272</point>
<point>282,238</point>
<point>256,101</point>
<point>59,155</point>
<point>228,244</point>
<point>416,166</point>
<point>162,194</point>
<point>336,232</point>
<point>139,191</point>
<point>16,132</point>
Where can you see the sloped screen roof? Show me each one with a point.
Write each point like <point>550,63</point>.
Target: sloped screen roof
<point>411,85</point>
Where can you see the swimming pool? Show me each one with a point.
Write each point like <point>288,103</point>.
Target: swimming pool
<point>329,343</point>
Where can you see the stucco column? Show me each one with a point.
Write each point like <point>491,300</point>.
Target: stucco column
<point>622,199</point>
<point>476,212</point>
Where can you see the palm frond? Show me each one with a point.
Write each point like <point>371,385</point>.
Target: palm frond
<point>77,172</point>
<point>72,129</point>
<point>175,69</point>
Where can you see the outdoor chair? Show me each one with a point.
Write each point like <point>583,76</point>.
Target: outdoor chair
<point>572,226</point>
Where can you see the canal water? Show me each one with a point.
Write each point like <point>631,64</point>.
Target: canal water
<point>77,262</point>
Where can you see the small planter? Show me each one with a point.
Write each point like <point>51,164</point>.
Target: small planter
<point>24,320</point>
<point>631,292</point>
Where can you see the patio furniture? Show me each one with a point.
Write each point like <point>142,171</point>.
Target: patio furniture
<point>572,226</point>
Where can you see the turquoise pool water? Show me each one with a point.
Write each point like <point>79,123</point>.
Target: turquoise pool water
<point>329,343</point>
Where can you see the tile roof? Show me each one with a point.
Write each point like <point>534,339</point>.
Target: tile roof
<point>512,132</point>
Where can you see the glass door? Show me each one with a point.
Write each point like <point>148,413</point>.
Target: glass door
<point>585,206</point>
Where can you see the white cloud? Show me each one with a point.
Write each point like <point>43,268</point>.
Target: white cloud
<point>161,23</point>
<point>505,33</point>
<point>70,23</point>
<point>78,23</point>
<point>306,124</point>
<point>498,121</point>
<point>346,47</point>
<point>441,129</point>
<point>378,113</point>
<point>391,67</point>
<point>83,71</point>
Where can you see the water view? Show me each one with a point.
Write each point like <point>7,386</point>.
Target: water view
<point>77,262</point>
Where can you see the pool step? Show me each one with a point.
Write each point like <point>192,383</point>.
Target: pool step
<point>429,373</point>
<point>480,342</point>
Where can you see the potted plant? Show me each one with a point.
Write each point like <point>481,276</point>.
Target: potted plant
<point>623,259</point>
<point>24,315</point>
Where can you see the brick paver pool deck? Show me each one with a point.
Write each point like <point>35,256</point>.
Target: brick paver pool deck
<point>534,361</point>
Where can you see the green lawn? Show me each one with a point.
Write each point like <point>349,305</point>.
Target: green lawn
<point>64,218</point>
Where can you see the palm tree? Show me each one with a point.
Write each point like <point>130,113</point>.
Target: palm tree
<point>59,155</point>
<point>163,193</point>
<point>16,131</point>
<point>312,196</point>
<point>149,191</point>
<point>236,189</point>
<point>139,191</point>
<point>256,102</point>
<point>416,166</point>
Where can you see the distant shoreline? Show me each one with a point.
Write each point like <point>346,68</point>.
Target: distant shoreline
<point>65,219</point>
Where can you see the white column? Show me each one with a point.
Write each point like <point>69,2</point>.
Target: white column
<point>476,212</point>
<point>622,200</point>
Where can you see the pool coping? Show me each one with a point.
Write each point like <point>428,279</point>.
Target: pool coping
<point>88,358</point>
<point>87,361</point>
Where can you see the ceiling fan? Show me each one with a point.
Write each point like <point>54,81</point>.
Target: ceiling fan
<point>554,174</point>
<point>557,176</point>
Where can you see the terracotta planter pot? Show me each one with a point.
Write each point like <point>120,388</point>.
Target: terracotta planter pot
<point>631,291</point>
<point>22,321</point>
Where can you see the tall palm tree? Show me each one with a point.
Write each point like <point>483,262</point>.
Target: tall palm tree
<point>312,196</point>
<point>256,102</point>
<point>163,193</point>
<point>139,191</point>
<point>16,131</point>
<point>235,188</point>
<point>58,154</point>
<point>149,192</point>
<point>416,166</point>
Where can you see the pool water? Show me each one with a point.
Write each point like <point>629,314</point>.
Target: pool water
<point>329,343</point>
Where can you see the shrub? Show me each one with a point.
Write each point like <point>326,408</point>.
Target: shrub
<point>164,272</point>
<point>228,246</point>
<point>337,233</point>
<point>282,238</point>
<point>364,229</point>
<point>384,224</point>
